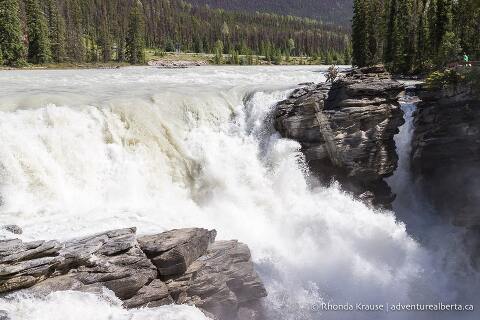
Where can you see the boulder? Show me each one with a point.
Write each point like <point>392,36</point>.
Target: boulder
<point>222,282</point>
<point>12,228</point>
<point>346,129</point>
<point>173,251</point>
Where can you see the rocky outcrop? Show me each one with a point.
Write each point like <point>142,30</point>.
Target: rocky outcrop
<point>346,129</point>
<point>446,151</point>
<point>184,266</point>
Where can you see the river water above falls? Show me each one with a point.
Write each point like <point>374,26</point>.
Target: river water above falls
<point>90,150</point>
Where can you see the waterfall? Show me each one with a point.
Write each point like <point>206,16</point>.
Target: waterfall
<point>86,151</point>
<point>444,241</point>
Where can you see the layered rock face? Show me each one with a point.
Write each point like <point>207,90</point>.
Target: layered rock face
<point>446,152</point>
<point>183,266</point>
<point>346,130</point>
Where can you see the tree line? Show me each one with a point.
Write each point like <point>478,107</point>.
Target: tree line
<point>329,11</point>
<point>412,36</point>
<point>55,31</point>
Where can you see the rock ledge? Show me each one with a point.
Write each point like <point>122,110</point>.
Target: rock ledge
<point>183,266</point>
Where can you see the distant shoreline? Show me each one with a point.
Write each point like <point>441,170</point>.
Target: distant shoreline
<point>170,61</point>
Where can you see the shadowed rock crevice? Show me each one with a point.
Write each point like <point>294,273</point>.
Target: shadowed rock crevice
<point>184,266</point>
<point>346,130</point>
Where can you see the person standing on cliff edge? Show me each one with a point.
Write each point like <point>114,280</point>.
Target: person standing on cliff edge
<point>466,59</point>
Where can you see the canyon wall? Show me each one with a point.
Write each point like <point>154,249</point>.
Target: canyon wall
<point>446,151</point>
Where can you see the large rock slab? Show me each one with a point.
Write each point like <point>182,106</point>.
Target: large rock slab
<point>177,266</point>
<point>346,129</point>
<point>173,251</point>
<point>24,264</point>
<point>112,259</point>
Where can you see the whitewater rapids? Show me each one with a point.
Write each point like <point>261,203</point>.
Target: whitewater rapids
<point>91,150</point>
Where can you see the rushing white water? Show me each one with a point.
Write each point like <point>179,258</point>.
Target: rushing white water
<point>86,151</point>
<point>445,242</point>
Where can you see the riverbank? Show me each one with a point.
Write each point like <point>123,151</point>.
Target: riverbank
<point>71,65</point>
<point>177,60</point>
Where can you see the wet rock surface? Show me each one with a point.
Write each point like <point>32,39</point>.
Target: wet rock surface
<point>220,282</point>
<point>12,228</point>
<point>346,130</point>
<point>4,315</point>
<point>446,152</point>
<point>178,266</point>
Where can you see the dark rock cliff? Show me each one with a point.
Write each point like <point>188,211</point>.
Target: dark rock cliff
<point>446,152</point>
<point>185,266</point>
<point>346,130</point>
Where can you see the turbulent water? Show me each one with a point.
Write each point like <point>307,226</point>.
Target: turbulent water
<point>87,151</point>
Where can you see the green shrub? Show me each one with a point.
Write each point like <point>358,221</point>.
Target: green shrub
<point>441,79</point>
<point>466,76</point>
<point>159,53</point>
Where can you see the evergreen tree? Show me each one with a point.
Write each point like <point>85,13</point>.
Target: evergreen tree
<point>104,38</point>
<point>432,22</point>
<point>421,54</point>
<point>169,46</point>
<point>38,42</point>
<point>373,31</point>
<point>443,20</point>
<point>415,34</point>
<point>404,38</point>
<point>450,49</point>
<point>13,50</point>
<point>359,39</point>
<point>347,56</point>
<point>218,58</point>
<point>75,43</point>
<point>198,45</point>
<point>234,57</point>
<point>390,20</point>
<point>136,35</point>
<point>56,31</point>
<point>291,46</point>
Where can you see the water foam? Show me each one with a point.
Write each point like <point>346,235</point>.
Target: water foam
<point>69,305</point>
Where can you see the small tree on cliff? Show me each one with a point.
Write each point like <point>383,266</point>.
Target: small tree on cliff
<point>136,35</point>
<point>38,42</point>
<point>11,43</point>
